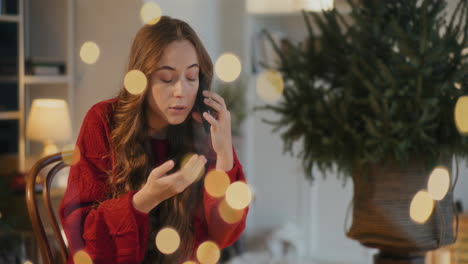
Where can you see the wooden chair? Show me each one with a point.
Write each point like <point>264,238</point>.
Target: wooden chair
<point>38,225</point>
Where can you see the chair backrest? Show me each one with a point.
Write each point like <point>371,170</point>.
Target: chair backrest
<point>33,210</point>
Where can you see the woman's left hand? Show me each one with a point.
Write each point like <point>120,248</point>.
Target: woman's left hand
<point>220,128</point>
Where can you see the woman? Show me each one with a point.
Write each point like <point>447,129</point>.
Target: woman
<point>133,178</point>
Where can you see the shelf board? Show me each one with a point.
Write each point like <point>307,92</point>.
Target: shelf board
<point>9,18</point>
<point>8,79</point>
<point>60,79</point>
<point>9,115</point>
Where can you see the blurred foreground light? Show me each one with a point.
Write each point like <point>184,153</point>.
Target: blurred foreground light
<point>150,13</point>
<point>439,183</point>
<point>238,195</point>
<point>208,253</point>
<point>135,82</point>
<point>461,115</point>
<point>421,207</point>
<point>228,67</point>
<point>167,240</point>
<point>89,52</point>
<point>270,86</point>
<point>216,183</point>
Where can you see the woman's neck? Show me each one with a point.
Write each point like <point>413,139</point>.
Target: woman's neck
<point>159,134</point>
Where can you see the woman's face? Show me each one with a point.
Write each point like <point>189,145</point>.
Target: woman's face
<point>174,84</point>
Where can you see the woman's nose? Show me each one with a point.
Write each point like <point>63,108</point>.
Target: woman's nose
<point>179,88</point>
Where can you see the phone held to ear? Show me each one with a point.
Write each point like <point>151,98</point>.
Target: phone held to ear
<point>201,107</point>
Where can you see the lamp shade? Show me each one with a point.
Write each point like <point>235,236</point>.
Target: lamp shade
<point>49,120</point>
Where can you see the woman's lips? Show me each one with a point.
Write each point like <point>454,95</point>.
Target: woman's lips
<point>177,110</point>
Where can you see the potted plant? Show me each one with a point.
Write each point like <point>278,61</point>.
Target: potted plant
<point>374,94</point>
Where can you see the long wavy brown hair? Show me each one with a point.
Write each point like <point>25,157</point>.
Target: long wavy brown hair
<point>130,134</point>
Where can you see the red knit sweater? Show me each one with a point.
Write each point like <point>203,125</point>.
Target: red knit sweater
<point>115,232</point>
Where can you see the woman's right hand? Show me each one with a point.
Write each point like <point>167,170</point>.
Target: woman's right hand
<point>159,186</point>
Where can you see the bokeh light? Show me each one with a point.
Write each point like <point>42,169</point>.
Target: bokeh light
<point>190,262</point>
<point>228,67</point>
<point>439,183</point>
<point>216,183</point>
<point>150,13</point>
<point>89,52</point>
<point>189,174</point>
<point>81,257</point>
<point>135,82</point>
<point>28,262</point>
<point>228,214</point>
<point>238,195</point>
<point>461,114</point>
<point>457,85</point>
<point>167,240</point>
<point>208,252</point>
<point>72,159</point>
<point>270,86</point>
<point>421,207</point>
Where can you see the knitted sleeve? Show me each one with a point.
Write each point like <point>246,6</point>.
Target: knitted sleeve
<point>217,229</point>
<point>109,231</point>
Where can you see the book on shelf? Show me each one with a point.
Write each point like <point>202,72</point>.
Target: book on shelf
<point>36,65</point>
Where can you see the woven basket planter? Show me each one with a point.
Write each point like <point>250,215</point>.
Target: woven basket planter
<point>381,208</point>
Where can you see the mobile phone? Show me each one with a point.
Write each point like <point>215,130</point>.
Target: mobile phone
<point>200,106</point>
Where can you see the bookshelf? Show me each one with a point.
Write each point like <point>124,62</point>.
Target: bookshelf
<point>31,29</point>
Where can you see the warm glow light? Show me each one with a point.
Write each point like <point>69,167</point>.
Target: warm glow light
<point>135,82</point>
<point>150,13</point>
<point>238,195</point>
<point>81,257</point>
<point>49,122</point>
<point>208,252</point>
<point>89,52</point>
<point>318,5</point>
<point>72,159</point>
<point>270,86</point>
<point>216,183</point>
<point>167,240</point>
<point>27,262</point>
<point>228,214</point>
<point>461,114</point>
<point>421,207</point>
<point>439,183</point>
<point>190,262</point>
<point>457,85</point>
<point>272,6</point>
<point>228,67</point>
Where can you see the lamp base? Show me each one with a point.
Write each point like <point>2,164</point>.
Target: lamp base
<point>49,148</point>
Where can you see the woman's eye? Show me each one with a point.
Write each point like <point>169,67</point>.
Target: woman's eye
<point>167,81</point>
<point>192,80</point>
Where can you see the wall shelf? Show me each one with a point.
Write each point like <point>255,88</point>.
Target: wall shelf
<point>10,18</point>
<point>61,79</point>
<point>9,115</point>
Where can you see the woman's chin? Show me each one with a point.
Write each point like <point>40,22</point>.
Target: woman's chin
<point>177,120</point>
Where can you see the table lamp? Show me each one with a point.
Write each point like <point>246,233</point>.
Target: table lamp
<point>49,122</point>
